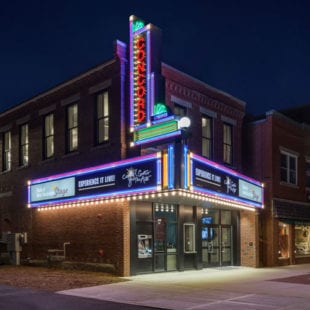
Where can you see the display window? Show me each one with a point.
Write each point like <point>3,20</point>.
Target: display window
<point>189,238</point>
<point>283,251</point>
<point>302,240</point>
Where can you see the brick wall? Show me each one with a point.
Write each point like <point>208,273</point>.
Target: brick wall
<point>97,233</point>
<point>202,96</point>
<point>249,241</point>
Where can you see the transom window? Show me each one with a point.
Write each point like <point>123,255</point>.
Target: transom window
<point>288,168</point>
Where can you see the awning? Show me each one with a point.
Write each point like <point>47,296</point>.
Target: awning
<point>291,210</point>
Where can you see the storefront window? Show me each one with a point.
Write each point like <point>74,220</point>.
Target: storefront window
<point>189,238</point>
<point>283,241</point>
<point>226,217</point>
<point>144,246</point>
<point>214,215</point>
<point>302,239</point>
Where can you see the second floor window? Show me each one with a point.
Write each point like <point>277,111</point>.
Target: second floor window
<point>72,128</point>
<point>206,124</point>
<point>7,151</point>
<point>49,136</point>
<point>288,168</point>
<point>102,117</point>
<point>179,110</point>
<point>23,145</point>
<point>227,144</point>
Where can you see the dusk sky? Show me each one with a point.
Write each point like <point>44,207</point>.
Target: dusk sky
<point>257,51</point>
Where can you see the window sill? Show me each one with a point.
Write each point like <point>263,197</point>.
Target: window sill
<point>289,185</point>
<point>23,167</point>
<point>5,172</point>
<point>70,154</point>
<point>48,160</point>
<point>101,146</point>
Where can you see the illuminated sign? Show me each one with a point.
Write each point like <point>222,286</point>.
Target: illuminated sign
<point>250,191</point>
<point>140,74</point>
<point>146,86</point>
<point>52,190</point>
<point>156,131</point>
<point>140,87</point>
<point>212,178</point>
<point>208,177</point>
<point>125,178</point>
<point>135,175</point>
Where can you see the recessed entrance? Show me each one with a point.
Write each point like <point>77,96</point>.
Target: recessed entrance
<point>165,237</point>
<point>217,238</point>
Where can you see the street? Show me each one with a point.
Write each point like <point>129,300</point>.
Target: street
<point>12,298</point>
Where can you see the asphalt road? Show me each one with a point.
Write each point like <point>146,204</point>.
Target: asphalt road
<point>12,298</point>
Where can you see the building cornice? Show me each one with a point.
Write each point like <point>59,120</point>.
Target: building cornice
<point>206,86</point>
<point>204,100</point>
<point>287,119</point>
<point>58,87</point>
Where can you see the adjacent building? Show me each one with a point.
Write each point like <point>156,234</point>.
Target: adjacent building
<point>132,163</point>
<point>277,152</point>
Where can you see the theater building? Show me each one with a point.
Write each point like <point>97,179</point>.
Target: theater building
<point>280,140</point>
<point>132,163</point>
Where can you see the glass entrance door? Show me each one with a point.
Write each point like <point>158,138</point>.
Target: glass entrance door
<point>216,235</point>
<point>226,245</point>
<point>210,246</point>
<point>165,237</point>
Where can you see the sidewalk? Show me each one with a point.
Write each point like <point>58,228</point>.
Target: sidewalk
<point>216,288</point>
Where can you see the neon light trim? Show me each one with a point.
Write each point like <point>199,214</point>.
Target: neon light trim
<point>157,138</point>
<point>94,197</point>
<point>226,197</point>
<point>96,168</point>
<point>189,171</point>
<point>159,178</point>
<point>162,120</point>
<point>170,166</point>
<point>137,24</point>
<point>224,169</point>
<point>185,160</point>
<point>141,92</point>
<point>156,130</point>
<point>159,108</point>
<point>165,170</point>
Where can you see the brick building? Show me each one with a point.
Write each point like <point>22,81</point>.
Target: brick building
<point>106,162</point>
<point>277,152</point>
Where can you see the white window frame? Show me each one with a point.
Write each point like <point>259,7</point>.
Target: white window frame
<point>228,145</point>
<point>72,130</point>
<point>288,169</point>
<point>24,144</point>
<point>49,135</point>
<point>7,151</point>
<point>103,118</point>
<point>208,140</point>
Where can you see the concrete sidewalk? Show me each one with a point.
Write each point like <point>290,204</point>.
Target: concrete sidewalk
<point>212,288</point>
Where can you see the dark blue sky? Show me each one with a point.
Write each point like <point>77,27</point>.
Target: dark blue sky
<point>257,51</point>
